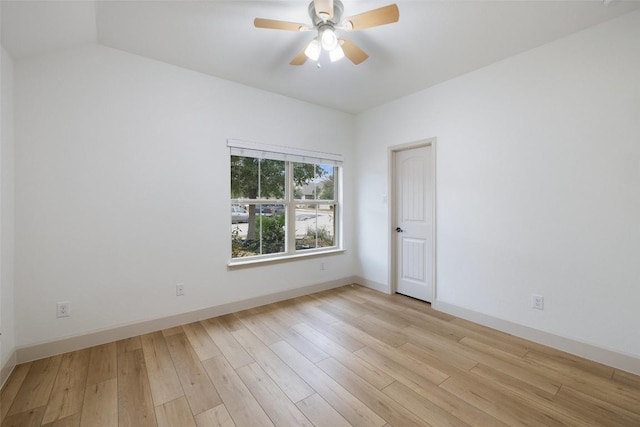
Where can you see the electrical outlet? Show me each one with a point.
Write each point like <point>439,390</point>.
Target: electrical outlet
<point>180,289</point>
<point>63,309</point>
<point>537,302</point>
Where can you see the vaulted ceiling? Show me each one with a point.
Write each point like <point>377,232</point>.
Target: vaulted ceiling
<point>433,41</point>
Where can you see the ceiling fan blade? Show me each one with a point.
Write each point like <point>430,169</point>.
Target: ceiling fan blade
<point>373,18</point>
<point>300,58</point>
<point>353,52</point>
<point>278,25</point>
<point>324,9</point>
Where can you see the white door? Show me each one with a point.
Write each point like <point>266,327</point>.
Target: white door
<point>414,222</point>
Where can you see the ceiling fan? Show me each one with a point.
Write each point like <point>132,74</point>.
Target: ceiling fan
<point>326,17</point>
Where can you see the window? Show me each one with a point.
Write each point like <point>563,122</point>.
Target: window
<point>284,201</point>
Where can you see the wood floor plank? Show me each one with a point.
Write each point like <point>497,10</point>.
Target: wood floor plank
<point>281,323</point>
<point>439,349</point>
<point>377,329</point>
<point>175,413</point>
<point>510,383</point>
<point>387,314</point>
<point>215,417</point>
<point>11,388</point>
<point>452,329</point>
<point>172,331</point>
<point>532,395</point>
<point>509,408</point>
<point>163,378</point>
<point>428,390</point>
<point>352,409</point>
<point>201,342</point>
<point>352,292</point>
<point>380,403</point>
<point>259,329</point>
<point>511,365</point>
<point>434,325</point>
<point>312,316</point>
<point>231,322</point>
<point>340,313</point>
<point>427,357</point>
<point>530,345</point>
<point>312,309</point>
<point>275,403</point>
<point>594,410</point>
<point>242,406</point>
<point>100,407</point>
<point>200,392</point>
<point>627,378</point>
<point>292,385</point>
<point>230,348</point>
<point>617,394</point>
<point>306,300</point>
<point>572,364</point>
<point>36,387</point>
<point>337,304</point>
<point>496,340</point>
<point>67,394</point>
<point>402,367</point>
<point>103,363</point>
<point>400,358</point>
<point>29,418</point>
<point>70,421</point>
<point>424,408</point>
<point>135,404</point>
<point>362,368</point>
<point>128,344</point>
<point>472,327</point>
<point>320,413</point>
<point>294,307</point>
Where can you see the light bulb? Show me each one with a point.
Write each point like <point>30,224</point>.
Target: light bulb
<point>329,40</point>
<point>336,54</point>
<point>313,50</point>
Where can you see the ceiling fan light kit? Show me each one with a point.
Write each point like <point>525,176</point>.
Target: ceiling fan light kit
<point>313,50</point>
<point>326,17</point>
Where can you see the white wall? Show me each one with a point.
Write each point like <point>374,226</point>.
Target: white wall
<point>538,185</point>
<point>6,214</point>
<point>122,189</point>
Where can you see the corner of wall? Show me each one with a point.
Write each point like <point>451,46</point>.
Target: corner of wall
<point>6,370</point>
<point>7,318</point>
<point>380,287</point>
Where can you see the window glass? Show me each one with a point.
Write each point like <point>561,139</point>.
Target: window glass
<point>313,182</point>
<point>253,178</point>
<point>280,207</point>
<point>315,226</point>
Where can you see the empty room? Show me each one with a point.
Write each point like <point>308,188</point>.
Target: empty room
<point>319,213</point>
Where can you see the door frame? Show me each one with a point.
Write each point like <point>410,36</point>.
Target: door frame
<point>393,245</point>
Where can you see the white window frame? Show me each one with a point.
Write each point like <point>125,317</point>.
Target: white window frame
<point>290,156</point>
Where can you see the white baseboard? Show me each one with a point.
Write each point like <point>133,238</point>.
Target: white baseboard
<point>52,348</point>
<point>613,358</point>
<point>7,368</point>
<point>380,287</point>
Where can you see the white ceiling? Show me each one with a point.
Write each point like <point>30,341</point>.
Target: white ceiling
<point>434,40</point>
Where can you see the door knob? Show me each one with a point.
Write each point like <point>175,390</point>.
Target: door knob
<point>399,230</point>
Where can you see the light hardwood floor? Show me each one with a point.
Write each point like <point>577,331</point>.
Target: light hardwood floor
<point>349,356</point>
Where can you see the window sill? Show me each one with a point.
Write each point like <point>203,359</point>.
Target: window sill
<point>240,263</point>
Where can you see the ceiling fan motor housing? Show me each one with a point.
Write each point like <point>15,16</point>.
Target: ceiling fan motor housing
<point>338,10</point>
